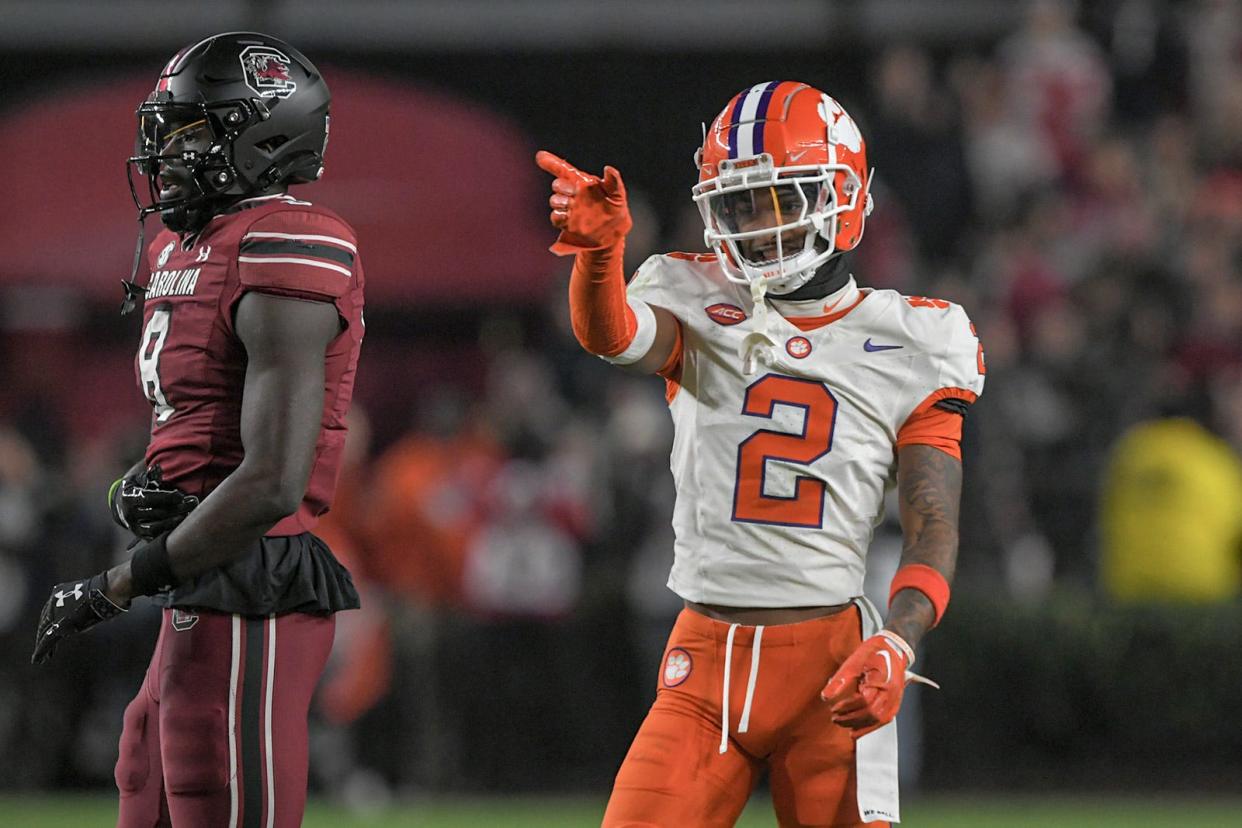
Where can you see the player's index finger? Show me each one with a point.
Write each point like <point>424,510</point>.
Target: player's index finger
<point>835,691</point>
<point>555,165</point>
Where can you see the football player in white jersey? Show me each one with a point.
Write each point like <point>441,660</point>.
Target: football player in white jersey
<point>799,399</point>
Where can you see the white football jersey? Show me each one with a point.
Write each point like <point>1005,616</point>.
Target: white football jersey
<point>781,476</point>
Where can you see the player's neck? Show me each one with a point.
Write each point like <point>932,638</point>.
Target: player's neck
<point>831,289</point>
<point>831,276</point>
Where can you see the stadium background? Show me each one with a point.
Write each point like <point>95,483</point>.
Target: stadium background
<point>1072,174</point>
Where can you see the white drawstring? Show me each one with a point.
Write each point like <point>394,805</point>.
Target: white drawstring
<point>724,700</point>
<point>744,724</point>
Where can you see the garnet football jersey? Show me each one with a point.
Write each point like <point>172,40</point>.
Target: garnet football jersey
<point>781,476</point>
<point>192,366</point>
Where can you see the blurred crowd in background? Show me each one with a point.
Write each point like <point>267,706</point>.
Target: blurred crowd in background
<point>1077,187</point>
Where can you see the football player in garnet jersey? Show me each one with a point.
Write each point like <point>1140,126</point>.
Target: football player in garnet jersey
<point>252,323</point>
<point>798,400</point>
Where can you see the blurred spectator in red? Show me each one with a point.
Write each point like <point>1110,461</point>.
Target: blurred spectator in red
<point>1059,86</point>
<point>1112,213</point>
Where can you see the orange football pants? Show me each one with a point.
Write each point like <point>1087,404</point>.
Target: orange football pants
<point>675,775</point>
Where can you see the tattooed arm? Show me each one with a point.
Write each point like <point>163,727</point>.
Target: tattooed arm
<point>865,691</point>
<point>929,486</point>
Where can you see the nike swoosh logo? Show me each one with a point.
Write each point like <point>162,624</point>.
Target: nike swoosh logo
<point>871,349</point>
<point>794,156</point>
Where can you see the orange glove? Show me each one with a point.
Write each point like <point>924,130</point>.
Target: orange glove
<point>866,690</point>
<point>590,212</point>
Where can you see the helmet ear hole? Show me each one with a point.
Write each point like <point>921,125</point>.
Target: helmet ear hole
<point>272,144</point>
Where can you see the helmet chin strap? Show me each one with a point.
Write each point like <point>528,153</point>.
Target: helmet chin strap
<point>186,218</point>
<point>133,291</point>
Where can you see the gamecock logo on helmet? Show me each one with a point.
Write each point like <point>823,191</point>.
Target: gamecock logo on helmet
<point>267,72</point>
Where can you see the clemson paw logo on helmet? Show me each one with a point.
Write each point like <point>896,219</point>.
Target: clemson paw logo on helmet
<point>677,667</point>
<point>841,127</point>
<point>267,72</point>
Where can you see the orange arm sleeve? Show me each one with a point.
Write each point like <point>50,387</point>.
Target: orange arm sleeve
<point>602,320</point>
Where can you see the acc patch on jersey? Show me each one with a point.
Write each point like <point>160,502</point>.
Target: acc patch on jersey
<point>677,667</point>
<point>725,314</point>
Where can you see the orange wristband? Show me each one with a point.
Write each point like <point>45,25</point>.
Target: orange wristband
<point>927,581</point>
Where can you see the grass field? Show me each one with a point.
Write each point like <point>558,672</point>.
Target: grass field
<point>940,812</point>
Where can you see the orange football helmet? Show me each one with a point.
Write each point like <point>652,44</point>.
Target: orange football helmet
<point>783,184</point>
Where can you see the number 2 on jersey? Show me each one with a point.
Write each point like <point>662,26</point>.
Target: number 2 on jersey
<point>153,337</point>
<point>806,506</point>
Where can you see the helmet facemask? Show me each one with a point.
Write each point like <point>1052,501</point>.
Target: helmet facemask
<point>774,225</point>
<point>187,148</point>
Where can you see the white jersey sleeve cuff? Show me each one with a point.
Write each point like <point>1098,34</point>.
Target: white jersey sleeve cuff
<point>644,336</point>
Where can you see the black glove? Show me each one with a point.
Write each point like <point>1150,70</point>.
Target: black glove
<point>74,606</point>
<point>145,506</point>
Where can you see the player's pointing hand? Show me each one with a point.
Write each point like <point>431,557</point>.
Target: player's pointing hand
<point>591,212</point>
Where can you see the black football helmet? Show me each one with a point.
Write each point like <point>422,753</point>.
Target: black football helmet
<point>233,116</point>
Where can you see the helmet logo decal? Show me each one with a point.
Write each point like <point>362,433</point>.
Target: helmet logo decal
<point>841,127</point>
<point>725,314</point>
<point>267,72</point>
<point>749,115</point>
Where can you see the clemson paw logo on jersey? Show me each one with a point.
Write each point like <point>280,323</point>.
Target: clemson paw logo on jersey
<point>162,259</point>
<point>798,347</point>
<point>267,72</point>
<point>725,314</point>
<point>677,667</point>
